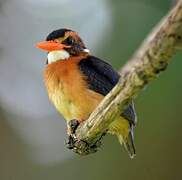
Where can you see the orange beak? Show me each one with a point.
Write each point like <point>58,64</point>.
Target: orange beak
<point>50,46</point>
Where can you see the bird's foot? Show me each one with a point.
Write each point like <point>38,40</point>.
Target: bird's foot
<point>73,125</point>
<point>79,146</point>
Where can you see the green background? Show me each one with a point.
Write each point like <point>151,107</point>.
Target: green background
<point>159,106</point>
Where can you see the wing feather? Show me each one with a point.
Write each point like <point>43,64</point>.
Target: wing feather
<point>101,78</point>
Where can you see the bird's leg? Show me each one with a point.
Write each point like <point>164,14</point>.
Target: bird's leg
<point>80,146</point>
<point>72,125</point>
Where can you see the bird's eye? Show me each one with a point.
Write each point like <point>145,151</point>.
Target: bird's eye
<point>69,41</point>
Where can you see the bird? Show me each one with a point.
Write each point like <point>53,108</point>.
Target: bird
<point>76,82</point>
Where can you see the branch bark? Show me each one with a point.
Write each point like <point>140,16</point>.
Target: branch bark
<point>151,58</point>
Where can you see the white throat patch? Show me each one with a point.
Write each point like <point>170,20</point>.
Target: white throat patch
<point>54,56</point>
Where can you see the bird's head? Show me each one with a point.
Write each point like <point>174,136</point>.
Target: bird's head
<point>62,44</point>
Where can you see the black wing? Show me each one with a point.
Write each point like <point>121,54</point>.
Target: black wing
<point>101,78</point>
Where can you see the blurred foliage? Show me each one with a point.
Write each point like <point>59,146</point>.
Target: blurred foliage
<point>157,135</point>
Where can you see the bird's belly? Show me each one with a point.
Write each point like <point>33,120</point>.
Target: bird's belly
<point>64,105</point>
<point>77,105</point>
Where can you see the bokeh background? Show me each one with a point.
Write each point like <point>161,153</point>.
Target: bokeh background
<point>32,133</point>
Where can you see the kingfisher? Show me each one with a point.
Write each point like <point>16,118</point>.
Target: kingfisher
<point>77,81</point>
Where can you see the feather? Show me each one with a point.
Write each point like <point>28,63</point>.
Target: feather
<point>101,78</point>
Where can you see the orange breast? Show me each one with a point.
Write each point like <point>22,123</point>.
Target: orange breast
<point>68,90</point>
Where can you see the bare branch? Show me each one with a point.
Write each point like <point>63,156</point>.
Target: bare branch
<point>152,58</point>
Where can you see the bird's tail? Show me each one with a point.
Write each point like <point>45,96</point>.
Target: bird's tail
<point>128,142</point>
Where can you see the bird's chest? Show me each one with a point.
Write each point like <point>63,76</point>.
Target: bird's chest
<point>69,93</point>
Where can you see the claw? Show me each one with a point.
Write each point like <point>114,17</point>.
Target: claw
<point>77,145</point>
<point>70,142</point>
<point>72,126</point>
